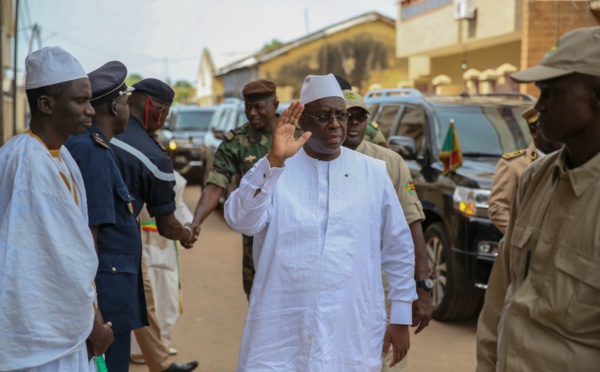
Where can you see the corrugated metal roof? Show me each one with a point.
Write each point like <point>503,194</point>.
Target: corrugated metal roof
<point>261,57</point>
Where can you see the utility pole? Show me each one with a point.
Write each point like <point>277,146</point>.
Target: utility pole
<point>306,20</point>
<point>14,83</point>
<point>35,34</point>
<point>1,76</point>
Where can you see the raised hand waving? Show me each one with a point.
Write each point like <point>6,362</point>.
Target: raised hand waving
<point>284,144</point>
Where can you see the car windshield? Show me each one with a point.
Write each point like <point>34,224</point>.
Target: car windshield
<point>484,130</point>
<point>193,120</point>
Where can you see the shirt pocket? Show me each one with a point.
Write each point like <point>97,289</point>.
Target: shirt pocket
<point>571,293</point>
<point>523,240</point>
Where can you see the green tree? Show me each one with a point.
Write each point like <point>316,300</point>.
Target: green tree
<point>183,84</point>
<point>132,79</point>
<point>272,45</point>
<point>183,95</point>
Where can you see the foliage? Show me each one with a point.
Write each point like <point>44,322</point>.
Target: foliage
<point>132,79</point>
<point>183,95</point>
<point>272,45</point>
<point>183,84</point>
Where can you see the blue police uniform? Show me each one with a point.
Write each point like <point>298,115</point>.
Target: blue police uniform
<point>146,169</point>
<point>119,281</point>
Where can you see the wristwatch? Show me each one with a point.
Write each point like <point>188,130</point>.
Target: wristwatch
<point>426,284</point>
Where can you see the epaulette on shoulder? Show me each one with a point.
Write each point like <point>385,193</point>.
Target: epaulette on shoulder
<point>99,141</point>
<point>512,155</point>
<point>374,125</point>
<point>229,136</point>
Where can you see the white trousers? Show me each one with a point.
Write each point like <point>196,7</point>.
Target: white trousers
<point>163,273</point>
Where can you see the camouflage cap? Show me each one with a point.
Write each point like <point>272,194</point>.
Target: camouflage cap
<point>259,89</point>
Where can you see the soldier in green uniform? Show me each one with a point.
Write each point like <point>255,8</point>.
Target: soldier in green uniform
<point>239,151</point>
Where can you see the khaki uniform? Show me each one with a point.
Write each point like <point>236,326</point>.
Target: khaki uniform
<point>411,206</point>
<point>237,154</point>
<point>401,179</point>
<point>542,306</point>
<point>506,180</point>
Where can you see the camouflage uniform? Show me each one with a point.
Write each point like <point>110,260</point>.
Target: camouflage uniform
<point>237,154</point>
<point>373,134</point>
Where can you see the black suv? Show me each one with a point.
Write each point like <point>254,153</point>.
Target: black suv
<point>183,136</point>
<point>461,240</point>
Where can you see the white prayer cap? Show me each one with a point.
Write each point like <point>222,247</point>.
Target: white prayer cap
<point>51,65</point>
<point>320,86</point>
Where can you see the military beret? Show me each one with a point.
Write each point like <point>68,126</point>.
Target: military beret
<point>156,89</point>
<point>530,115</point>
<point>108,82</point>
<point>259,89</point>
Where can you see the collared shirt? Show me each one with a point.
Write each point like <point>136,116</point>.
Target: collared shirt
<point>542,306</point>
<point>322,233</point>
<point>239,151</point>
<point>146,169</point>
<point>401,179</point>
<point>119,244</point>
<point>506,180</point>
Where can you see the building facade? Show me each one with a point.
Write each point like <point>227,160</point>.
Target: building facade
<point>473,45</point>
<point>360,49</point>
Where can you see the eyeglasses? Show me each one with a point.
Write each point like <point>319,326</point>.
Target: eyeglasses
<point>324,119</point>
<point>359,117</point>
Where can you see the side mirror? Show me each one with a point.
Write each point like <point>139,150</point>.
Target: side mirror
<point>405,146</point>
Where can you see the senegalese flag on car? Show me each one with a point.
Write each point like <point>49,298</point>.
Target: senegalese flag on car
<point>450,154</point>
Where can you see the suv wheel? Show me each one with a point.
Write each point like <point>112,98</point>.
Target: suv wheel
<point>448,303</point>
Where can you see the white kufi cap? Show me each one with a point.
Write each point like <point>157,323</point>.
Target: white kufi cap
<point>51,65</point>
<point>320,86</point>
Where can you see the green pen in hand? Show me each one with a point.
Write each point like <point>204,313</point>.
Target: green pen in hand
<point>100,363</point>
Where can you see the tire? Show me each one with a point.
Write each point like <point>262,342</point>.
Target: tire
<point>448,302</point>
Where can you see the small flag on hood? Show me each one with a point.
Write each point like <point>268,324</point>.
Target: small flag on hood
<point>451,155</point>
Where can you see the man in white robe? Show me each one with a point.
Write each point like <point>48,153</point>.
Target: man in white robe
<point>47,257</point>
<point>325,220</point>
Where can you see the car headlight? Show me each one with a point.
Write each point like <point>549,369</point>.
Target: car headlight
<point>175,144</point>
<point>471,202</point>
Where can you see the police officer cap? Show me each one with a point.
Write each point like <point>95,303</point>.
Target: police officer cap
<point>259,90</point>
<point>156,89</point>
<point>108,82</point>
